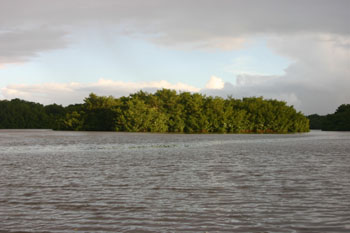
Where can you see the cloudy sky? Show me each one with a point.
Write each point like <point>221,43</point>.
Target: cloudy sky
<point>60,51</point>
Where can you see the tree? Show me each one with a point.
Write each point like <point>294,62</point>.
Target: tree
<point>338,121</point>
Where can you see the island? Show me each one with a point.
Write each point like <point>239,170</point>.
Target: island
<point>163,111</point>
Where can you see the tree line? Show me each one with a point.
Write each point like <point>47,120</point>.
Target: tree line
<point>163,111</point>
<point>338,121</point>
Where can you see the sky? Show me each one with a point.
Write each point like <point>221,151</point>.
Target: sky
<point>60,51</point>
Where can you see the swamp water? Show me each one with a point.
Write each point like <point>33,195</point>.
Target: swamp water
<point>124,182</point>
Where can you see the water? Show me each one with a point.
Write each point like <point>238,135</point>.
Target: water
<point>124,182</point>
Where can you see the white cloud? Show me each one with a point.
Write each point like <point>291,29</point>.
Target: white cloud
<point>132,86</point>
<point>251,79</point>
<point>215,83</point>
<point>70,93</point>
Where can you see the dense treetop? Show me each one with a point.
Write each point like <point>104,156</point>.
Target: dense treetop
<point>338,121</point>
<point>164,111</point>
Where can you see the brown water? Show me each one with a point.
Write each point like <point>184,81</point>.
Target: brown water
<point>124,182</point>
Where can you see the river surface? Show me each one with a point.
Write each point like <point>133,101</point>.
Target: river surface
<point>134,182</point>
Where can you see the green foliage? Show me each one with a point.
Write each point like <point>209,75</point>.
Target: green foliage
<point>20,114</point>
<point>338,121</point>
<point>163,111</point>
<point>99,113</point>
<point>55,113</point>
<point>194,117</point>
<point>71,121</point>
<point>140,117</point>
<point>316,121</point>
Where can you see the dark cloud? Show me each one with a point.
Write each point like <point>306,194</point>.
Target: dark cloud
<point>21,45</point>
<point>184,20</point>
<point>172,23</point>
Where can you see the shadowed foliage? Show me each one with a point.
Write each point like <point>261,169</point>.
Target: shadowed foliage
<point>338,121</point>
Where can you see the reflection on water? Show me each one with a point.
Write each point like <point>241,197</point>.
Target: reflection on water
<point>124,182</point>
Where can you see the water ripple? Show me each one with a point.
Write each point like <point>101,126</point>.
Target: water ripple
<point>116,182</point>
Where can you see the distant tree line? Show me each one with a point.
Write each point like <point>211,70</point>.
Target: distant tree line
<point>164,111</point>
<point>338,121</point>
